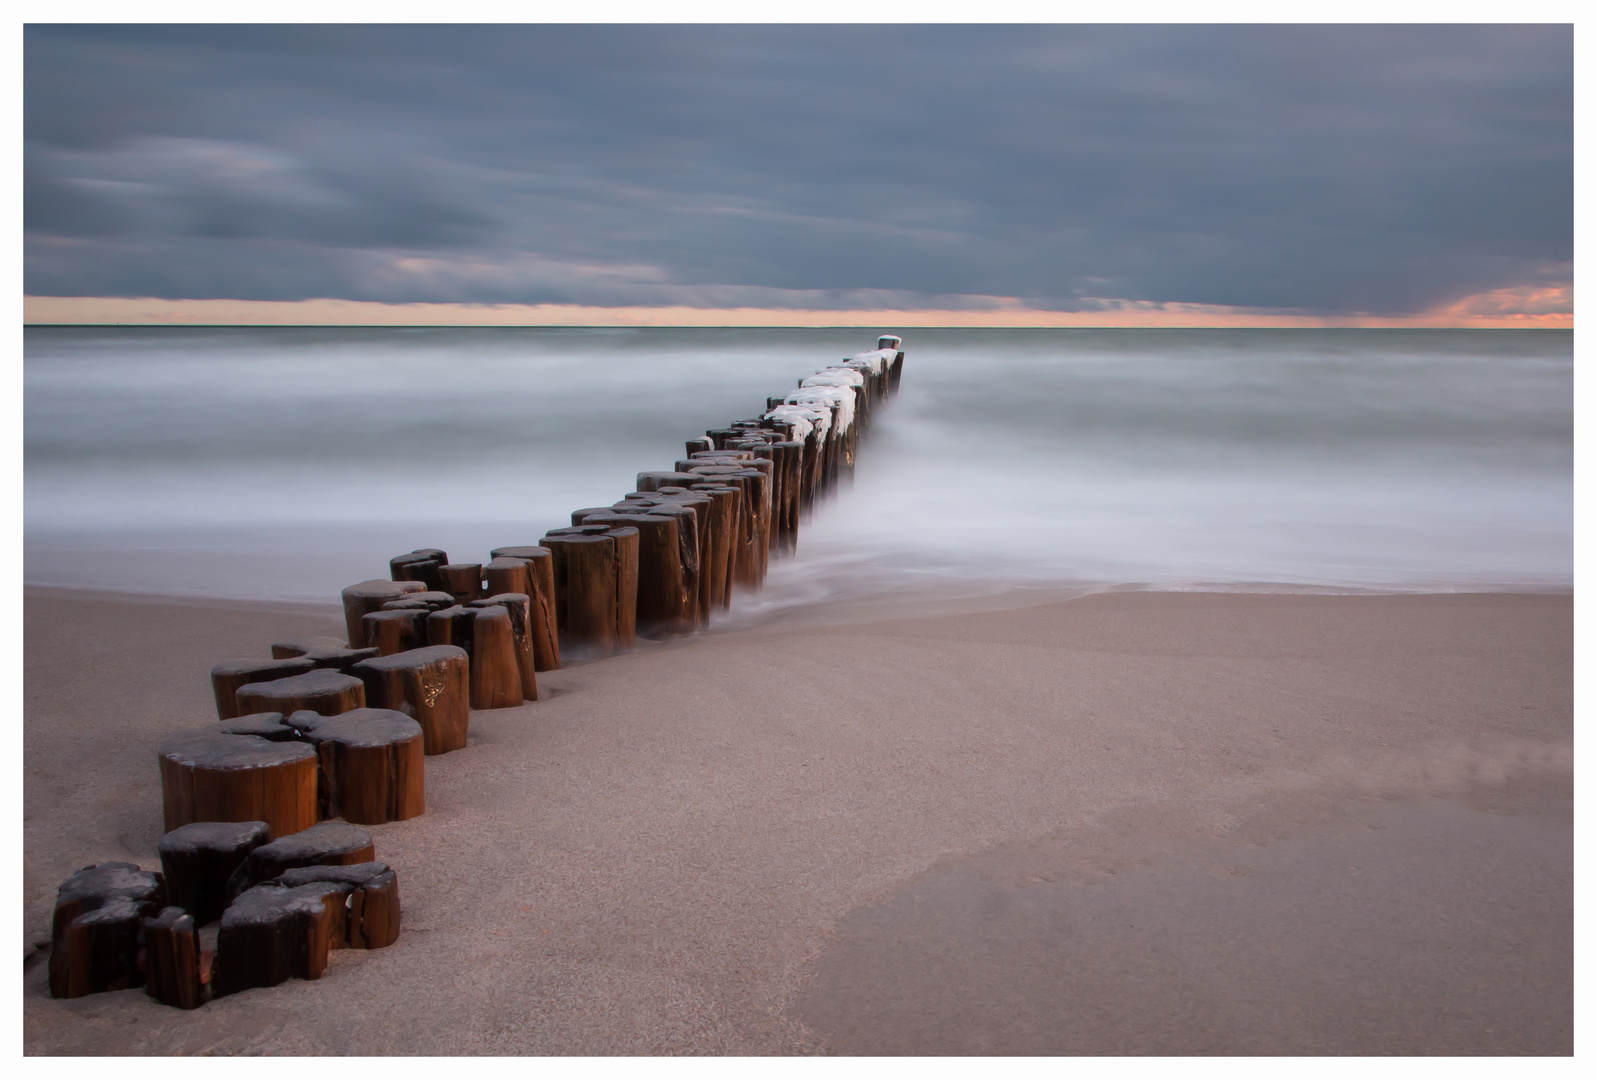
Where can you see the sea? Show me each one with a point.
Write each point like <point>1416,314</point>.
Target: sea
<point>286,463</point>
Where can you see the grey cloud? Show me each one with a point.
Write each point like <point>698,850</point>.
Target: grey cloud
<point>1312,168</point>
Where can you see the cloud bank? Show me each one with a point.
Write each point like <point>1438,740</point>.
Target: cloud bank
<point>1314,172</point>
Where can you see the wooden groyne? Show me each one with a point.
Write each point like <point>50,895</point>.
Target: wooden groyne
<point>263,808</point>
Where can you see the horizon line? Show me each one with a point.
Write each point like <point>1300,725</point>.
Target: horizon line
<point>152,311</point>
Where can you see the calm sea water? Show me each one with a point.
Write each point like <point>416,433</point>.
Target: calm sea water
<point>287,463</point>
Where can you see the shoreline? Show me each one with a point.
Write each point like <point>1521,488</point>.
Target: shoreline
<point>709,845</point>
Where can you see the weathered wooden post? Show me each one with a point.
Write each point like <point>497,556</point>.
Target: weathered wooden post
<point>210,776</point>
<point>226,678</point>
<point>198,859</point>
<point>519,607</point>
<point>463,581</point>
<point>596,583</point>
<point>545,626</point>
<point>394,630</point>
<point>368,596</point>
<point>420,565</point>
<point>431,685</point>
<point>94,932</point>
<point>371,765</point>
<point>172,959</point>
<point>322,691</point>
<point>495,665</point>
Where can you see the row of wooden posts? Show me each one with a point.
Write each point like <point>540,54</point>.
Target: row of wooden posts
<point>338,729</point>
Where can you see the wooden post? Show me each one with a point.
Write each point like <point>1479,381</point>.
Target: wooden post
<point>172,959</point>
<point>519,607</point>
<point>322,691</point>
<point>585,588</point>
<point>421,565</point>
<point>392,631</point>
<point>332,843</point>
<point>452,626</point>
<point>431,601</point>
<point>431,685</point>
<point>371,766</point>
<point>725,530</point>
<point>210,776</point>
<point>226,678</point>
<point>326,652</point>
<point>198,859</point>
<point>90,958</point>
<point>463,581</point>
<point>368,596</point>
<point>662,592</point>
<point>701,443</point>
<point>545,626</point>
<point>373,906</point>
<point>271,933</point>
<point>495,668</point>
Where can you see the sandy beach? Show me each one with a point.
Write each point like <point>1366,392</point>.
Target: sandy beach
<point>1042,823</point>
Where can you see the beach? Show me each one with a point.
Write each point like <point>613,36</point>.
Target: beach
<point>1039,821</point>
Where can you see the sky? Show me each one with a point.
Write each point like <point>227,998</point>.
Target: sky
<point>1417,174</point>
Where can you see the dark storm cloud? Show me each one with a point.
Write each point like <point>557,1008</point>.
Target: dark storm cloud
<point>1320,168</point>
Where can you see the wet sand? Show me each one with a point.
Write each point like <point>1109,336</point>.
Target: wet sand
<point>1114,823</point>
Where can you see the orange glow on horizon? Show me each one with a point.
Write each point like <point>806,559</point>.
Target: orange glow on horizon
<point>1525,307</point>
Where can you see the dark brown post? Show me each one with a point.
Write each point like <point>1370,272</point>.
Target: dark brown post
<point>545,624</point>
<point>228,677</point>
<point>495,668</point>
<point>89,956</point>
<point>585,563</point>
<point>209,776</point>
<point>463,581</point>
<point>323,691</point>
<point>391,631</point>
<point>371,766</point>
<point>369,596</point>
<point>172,959</point>
<point>519,605</point>
<point>198,859</point>
<point>431,685</point>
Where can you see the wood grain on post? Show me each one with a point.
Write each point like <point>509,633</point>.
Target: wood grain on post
<point>495,667</point>
<point>368,596</point>
<point>585,563</point>
<point>323,691</point>
<point>725,530</point>
<point>198,859</point>
<point>463,581</point>
<point>84,962</point>
<point>226,678</point>
<point>545,626</point>
<point>371,766</point>
<point>519,605</point>
<point>172,959</point>
<point>431,685</point>
<point>211,776</point>
<point>662,596</point>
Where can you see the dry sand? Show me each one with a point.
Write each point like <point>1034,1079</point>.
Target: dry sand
<point>1125,822</point>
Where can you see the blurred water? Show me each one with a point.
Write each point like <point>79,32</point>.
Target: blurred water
<point>286,462</point>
